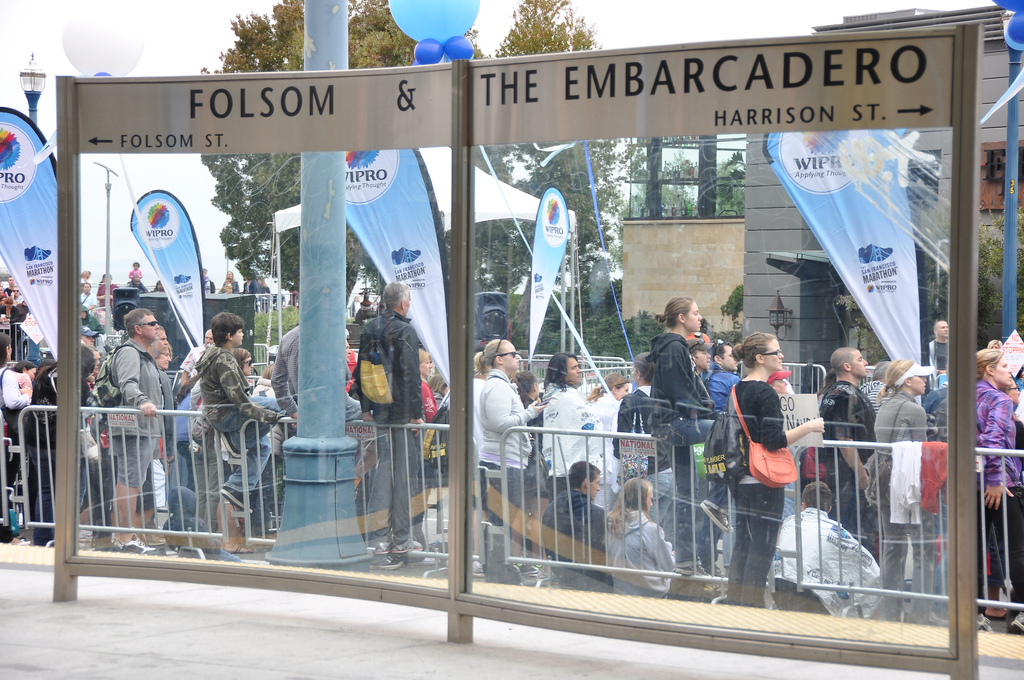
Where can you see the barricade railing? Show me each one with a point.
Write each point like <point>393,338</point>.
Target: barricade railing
<point>260,357</point>
<point>100,513</point>
<point>818,374</point>
<point>700,534</point>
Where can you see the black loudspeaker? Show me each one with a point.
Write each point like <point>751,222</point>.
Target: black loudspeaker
<point>242,305</point>
<point>491,317</point>
<point>125,300</point>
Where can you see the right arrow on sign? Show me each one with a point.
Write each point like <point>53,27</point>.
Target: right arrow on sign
<point>921,110</point>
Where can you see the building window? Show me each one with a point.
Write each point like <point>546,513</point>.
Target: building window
<point>687,177</point>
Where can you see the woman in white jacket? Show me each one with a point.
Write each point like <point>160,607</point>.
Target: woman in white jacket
<point>501,409</point>
<point>568,410</point>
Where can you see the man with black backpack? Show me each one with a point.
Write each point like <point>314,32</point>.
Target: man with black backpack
<point>134,438</point>
<point>390,394</point>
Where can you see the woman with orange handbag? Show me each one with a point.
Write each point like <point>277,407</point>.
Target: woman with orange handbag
<point>759,506</point>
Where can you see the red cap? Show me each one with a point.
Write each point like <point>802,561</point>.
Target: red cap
<point>779,375</point>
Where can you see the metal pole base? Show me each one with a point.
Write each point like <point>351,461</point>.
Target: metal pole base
<point>319,526</point>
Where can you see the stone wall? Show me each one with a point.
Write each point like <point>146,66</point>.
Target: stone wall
<point>702,259</point>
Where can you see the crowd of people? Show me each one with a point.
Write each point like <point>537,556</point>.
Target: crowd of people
<point>575,503</point>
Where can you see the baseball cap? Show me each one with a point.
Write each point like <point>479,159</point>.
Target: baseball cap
<point>914,371</point>
<point>89,332</point>
<point>779,375</point>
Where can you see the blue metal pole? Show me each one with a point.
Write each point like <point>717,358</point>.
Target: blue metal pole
<point>319,526</point>
<point>1010,203</point>
<point>33,101</point>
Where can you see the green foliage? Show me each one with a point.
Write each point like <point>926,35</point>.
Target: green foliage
<point>733,307</point>
<point>266,43</point>
<point>546,26</point>
<point>990,277</point>
<point>730,197</point>
<point>374,39</point>
<point>291,320</point>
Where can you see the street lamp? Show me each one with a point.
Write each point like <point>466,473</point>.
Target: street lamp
<point>33,80</point>
<point>779,315</point>
<point>1013,49</point>
<point>110,283</point>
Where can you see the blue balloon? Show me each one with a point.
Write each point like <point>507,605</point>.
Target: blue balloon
<point>102,73</point>
<point>437,19</point>
<point>1010,5</point>
<point>416,62</point>
<point>1014,32</point>
<point>429,51</point>
<point>458,47</point>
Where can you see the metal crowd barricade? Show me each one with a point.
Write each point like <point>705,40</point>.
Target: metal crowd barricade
<point>817,376</point>
<point>984,542</point>
<point>422,480</point>
<point>260,357</point>
<point>514,507</point>
<point>99,515</point>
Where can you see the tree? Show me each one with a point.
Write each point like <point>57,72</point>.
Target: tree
<point>990,277</point>
<point>546,26</point>
<point>503,261</point>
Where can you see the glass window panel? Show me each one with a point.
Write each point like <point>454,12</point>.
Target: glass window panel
<point>745,225</point>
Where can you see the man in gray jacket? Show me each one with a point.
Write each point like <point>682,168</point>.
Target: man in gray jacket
<point>134,437</point>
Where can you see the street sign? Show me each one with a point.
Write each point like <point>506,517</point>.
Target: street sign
<point>267,112</point>
<point>799,84</point>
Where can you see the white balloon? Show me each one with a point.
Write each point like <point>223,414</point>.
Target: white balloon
<point>96,45</point>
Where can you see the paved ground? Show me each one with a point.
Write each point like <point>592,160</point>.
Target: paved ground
<point>122,628</point>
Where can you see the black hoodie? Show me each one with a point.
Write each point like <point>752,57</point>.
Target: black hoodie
<point>676,388</point>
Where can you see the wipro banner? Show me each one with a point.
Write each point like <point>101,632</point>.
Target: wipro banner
<point>851,189</point>
<point>174,253</point>
<point>549,241</point>
<point>28,219</point>
<point>391,209</point>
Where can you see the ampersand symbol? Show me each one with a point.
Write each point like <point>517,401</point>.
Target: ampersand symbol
<point>405,96</point>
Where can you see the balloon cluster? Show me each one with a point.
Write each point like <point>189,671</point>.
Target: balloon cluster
<point>438,25</point>
<point>1013,32</point>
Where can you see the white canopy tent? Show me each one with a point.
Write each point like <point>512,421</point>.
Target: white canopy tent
<point>492,200</point>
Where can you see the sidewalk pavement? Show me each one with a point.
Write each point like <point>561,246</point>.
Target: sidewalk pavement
<point>124,628</point>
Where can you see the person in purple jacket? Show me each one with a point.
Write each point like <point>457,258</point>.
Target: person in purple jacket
<point>1002,476</point>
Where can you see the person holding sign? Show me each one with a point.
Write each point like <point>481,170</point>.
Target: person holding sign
<point>759,507</point>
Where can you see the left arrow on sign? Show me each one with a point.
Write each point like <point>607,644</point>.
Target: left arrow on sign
<point>97,140</point>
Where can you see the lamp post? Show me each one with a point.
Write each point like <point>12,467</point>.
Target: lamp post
<point>1010,192</point>
<point>109,294</point>
<point>33,80</point>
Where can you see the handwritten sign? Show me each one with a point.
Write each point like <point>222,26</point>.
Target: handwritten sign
<point>361,432</point>
<point>1013,350</point>
<point>638,447</point>
<point>797,409</point>
<point>31,329</point>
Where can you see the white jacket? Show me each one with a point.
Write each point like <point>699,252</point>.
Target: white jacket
<point>500,409</point>
<point>568,410</point>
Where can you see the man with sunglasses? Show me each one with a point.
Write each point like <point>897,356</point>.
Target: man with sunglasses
<point>134,438</point>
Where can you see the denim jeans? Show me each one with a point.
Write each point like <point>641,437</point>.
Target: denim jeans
<point>41,466</point>
<point>396,480</point>
<point>692,534</point>
<point>257,446</point>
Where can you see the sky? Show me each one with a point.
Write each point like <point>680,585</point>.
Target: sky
<point>182,37</point>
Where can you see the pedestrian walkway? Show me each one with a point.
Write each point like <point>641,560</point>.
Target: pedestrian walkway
<point>125,628</point>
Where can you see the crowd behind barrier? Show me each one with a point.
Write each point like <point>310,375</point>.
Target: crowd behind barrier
<point>519,539</point>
